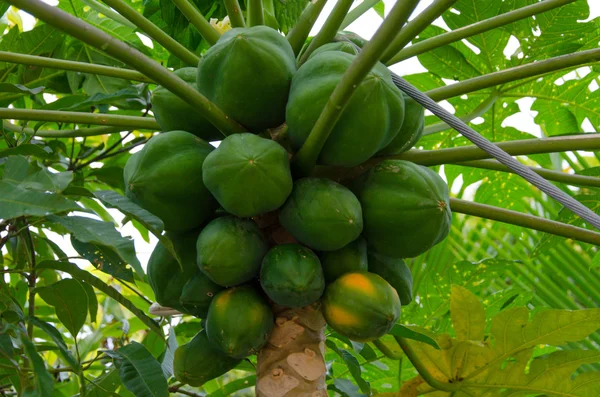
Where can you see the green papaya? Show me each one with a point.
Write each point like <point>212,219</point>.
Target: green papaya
<point>248,175</point>
<point>231,250</point>
<point>247,74</point>
<point>395,272</point>
<point>406,208</point>
<point>369,123</point>
<point>199,361</point>
<point>350,258</point>
<point>343,46</point>
<point>181,287</point>
<point>291,275</point>
<point>239,321</point>
<point>361,306</point>
<point>322,214</point>
<point>173,113</point>
<point>165,178</point>
<point>411,130</point>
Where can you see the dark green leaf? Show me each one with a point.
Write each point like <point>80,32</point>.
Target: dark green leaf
<point>353,366</point>
<point>27,150</point>
<point>234,386</point>
<point>70,301</point>
<point>103,258</point>
<point>140,372</point>
<point>19,171</point>
<point>104,385</point>
<point>112,176</point>
<point>16,201</point>
<point>101,233</point>
<point>92,300</point>
<point>19,88</point>
<point>55,335</point>
<point>42,379</point>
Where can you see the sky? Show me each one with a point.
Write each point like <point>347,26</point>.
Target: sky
<point>365,26</point>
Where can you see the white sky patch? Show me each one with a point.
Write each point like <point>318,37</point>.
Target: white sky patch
<point>145,40</point>
<point>471,46</point>
<point>511,47</point>
<point>524,120</point>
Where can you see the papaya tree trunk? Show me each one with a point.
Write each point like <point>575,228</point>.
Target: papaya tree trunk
<point>292,363</point>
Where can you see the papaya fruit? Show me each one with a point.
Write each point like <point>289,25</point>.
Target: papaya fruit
<point>411,130</point>
<point>291,275</point>
<point>165,178</point>
<point>406,208</point>
<point>247,74</point>
<point>239,321</point>
<point>231,250</point>
<point>350,258</point>
<point>369,123</point>
<point>343,46</point>
<point>248,175</point>
<point>199,361</point>
<point>181,287</point>
<point>173,113</point>
<point>395,272</point>
<point>322,214</point>
<point>361,306</point>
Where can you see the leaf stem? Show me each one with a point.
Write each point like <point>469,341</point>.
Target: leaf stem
<point>387,351</point>
<point>81,67</point>
<point>255,13</point>
<point>197,19</point>
<point>556,176</point>
<point>525,220</point>
<point>477,28</point>
<point>357,12</point>
<point>479,111</point>
<point>306,158</point>
<point>154,32</point>
<point>513,74</point>
<point>31,280</point>
<point>329,29</point>
<point>297,36</point>
<point>121,51</point>
<point>62,133</point>
<point>235,13</point>
<point>115,120</point>
<point>416,26</point>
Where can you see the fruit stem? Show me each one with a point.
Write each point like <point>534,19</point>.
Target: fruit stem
<point>513,74</point>
<point>235,13</point>
<point>61,64</point>
<point>525,220</point>
<point>329,29</point>
<point>357,12</point>
<point>306,158</point>
<point>387,351</point>
<point>297,36</point>
<point>422,369</point>
<point>416,26</point>
<point>480,110</point>
<point>476,28</point>
<point>197,19</point>
<point>115,120</point>
<point>255,13</point>
<point>94,131</point>
<point>132,57</point>
<point>154,32</point>
<point>551,175</point>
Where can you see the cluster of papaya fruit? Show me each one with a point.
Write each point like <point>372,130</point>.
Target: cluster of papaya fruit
<point>340,246</point>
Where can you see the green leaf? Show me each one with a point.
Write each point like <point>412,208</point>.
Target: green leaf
<point>18,171</point>
<point>234,386</point>
<point>27,150</point>
<point>151,222</point>
<point>409,333</point>
<point>42,379</point>
<point>103,258</point>
<point>353,366</point>
<point>82,275</point>
<point>92,301</point>
<point>287,13</point>
<point>16,201</point>
<point>19,88</point>
<point>169,356</point>
<point>105,384</point>
<point>379,8</point>
<point>140,372</point>
<point>468,316</point>
<point>55,335</point>
<point>70,301</point>
<point>101,233</point>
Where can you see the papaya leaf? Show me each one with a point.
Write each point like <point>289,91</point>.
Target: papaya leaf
<point>169,354</point>
<point>55,335</point>
<point>353,366</point>
<point>20,88</point>
<point>234,386</point>
<point>140,372</point>
<point>151,222</point>
<point>27,150</point>
<point>83,275</point>
<point>502,362</point>
<point>103,258</point>
<point>468,316</point>
<point>19,171</point>
<point>17,201</point>
<point>92,300</point>
<point>101,233</point>
<point>70,301</point>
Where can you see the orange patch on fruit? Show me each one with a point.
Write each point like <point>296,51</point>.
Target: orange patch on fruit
<point>358,282</point>
<point>340,316</point>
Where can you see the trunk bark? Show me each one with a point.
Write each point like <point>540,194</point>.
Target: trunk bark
<point>292,364</point>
